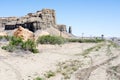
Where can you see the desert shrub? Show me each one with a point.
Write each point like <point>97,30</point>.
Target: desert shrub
<point>85,40</point>
<point>8,37</point>
<point>38,78</point>
<point>49,74</point>
<point>68,67</point>
<point>5,37</point>
<point>18,43</point>
<point>75,40</point>
<point>50,40</point>
<point>30,45</point>
<point>9,48</point>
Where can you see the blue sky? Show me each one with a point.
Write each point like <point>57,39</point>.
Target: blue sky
<point>91,17</point>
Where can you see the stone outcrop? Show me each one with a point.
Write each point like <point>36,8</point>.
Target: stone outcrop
<point>62,28</point>
<point>3,21</point>
<point>42,19</point>
<point>40,33</point>
<point>33,21</point>
<point>25,34</point>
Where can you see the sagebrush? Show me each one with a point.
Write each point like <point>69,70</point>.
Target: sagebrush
<point>18,43</point>
<point>51,40</point>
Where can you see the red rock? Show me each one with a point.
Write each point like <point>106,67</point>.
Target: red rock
<point>25,34</point>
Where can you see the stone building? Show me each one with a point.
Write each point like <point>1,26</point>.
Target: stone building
<point>43,19</point>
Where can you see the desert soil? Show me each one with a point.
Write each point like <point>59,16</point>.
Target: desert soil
<point>21,65</point>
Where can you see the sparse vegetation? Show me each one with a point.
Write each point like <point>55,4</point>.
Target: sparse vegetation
<point>18,43</point>
<point>38,78</point>
<point>59,40</point>
<point>30,45</point>
<point>5,38</point>
<point>68,67</point>
<point>51,40</point>
<point>113,72</point>
<point>115,45</point>
<point>75,40</point>
<point>9,48</point>
<point>96,40</point>
<point>1,37</point>
<point>49,74</point>
<point>109,52</point>
<point>87,51</point>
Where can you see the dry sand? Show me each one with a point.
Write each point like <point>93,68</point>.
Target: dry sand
<point>26,66</point>
<point>18,65</point>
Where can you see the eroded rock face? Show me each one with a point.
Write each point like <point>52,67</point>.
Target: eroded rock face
<point>25,34</point>
<point>40,20</point>
<point>41,33</point>
<point>62,27</point>
<point>33,21</point>
<point>43,20</point>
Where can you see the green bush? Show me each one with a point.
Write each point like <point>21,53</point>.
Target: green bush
<point>30,45</point>
<point>18,43</point>
<point>50,40</point>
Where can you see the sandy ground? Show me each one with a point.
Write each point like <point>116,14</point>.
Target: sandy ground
<point>102,60</point>
<point>27,66</point>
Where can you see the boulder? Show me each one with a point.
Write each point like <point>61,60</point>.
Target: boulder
<point>25,34</point>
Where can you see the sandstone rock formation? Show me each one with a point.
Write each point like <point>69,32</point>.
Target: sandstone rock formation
<point>40,33</point>
<point>62,28</point>
<point>42,20</point>
<point>25,34</point>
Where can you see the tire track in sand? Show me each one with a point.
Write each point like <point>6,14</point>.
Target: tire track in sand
<point>16,72</point>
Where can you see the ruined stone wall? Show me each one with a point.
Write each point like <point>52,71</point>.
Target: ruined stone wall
<point>42,19</point>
